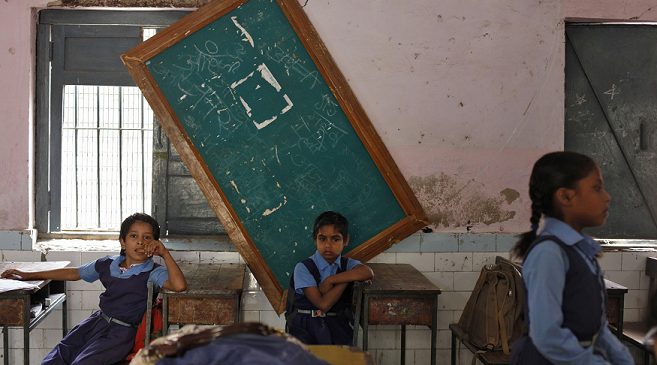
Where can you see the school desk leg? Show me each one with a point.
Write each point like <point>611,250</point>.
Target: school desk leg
<point>453,348</point>
<point>5,343</point>
<point>403,344</point>
<point>165,314</point>
<point>64,314</point>
<point>26,329</point>
<point>366,317</point>
<point>434,329</point>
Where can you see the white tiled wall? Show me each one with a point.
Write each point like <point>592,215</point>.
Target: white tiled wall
<point>455,273</point>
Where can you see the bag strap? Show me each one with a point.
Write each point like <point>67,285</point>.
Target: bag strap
<point>468,311</point>
<point>491,307</point>
<point>500,320</point>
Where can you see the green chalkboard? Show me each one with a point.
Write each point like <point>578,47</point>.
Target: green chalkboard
<point>274,137</point>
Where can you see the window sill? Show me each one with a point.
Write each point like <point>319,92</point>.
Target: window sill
<point>627,244</point>
<point>92,241</point>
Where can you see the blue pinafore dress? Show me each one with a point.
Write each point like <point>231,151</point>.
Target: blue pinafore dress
<point>583,307</point>
<point>330,330</point>
<point>95,341</point>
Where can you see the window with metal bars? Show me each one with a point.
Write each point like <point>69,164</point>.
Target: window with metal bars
<point>100,153</point>
<point>107,153</point>
<point>94,129</point>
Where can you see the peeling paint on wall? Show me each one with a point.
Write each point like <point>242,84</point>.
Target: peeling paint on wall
<point>451,201</point>
<point>510,194</point>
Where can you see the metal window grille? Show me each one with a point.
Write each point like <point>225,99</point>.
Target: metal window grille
<point>107,154</point>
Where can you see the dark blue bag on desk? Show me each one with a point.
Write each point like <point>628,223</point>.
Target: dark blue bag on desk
<point>246,348</point>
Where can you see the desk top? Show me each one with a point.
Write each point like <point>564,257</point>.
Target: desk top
<point>32,266</point>
<point>399,279</point>
<point>614,288</point>
<point>203,279</point>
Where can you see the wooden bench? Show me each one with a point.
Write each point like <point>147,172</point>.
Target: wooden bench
<point>633,332</point>
<point>487,358</point>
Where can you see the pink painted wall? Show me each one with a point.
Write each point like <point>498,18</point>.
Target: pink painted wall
<point>466,95</point>
<point>16,113</point>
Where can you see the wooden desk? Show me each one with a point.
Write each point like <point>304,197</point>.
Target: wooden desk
<point>615,306</point>
<point>634,332</point>
<point>15,305</point>
<point>212,297</point>
<point>399,295</point>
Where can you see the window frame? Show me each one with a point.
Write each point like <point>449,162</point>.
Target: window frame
<point>48,141</point>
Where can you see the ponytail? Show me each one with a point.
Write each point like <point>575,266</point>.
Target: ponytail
<point>550,173</point>
<point>526,239</point>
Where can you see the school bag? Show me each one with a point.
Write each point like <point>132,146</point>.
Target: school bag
<point>156,328</point>
<point>493,316</point>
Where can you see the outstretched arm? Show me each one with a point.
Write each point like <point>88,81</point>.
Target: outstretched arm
<point>177,281</point>
<point>64,274</point>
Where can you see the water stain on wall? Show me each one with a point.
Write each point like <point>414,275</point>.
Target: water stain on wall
<point>510,195</point>
<point>451,201</point>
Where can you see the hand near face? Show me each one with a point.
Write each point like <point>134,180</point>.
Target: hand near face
<point>154,247</point>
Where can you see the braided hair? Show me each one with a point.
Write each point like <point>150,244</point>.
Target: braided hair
<point>550,173</point>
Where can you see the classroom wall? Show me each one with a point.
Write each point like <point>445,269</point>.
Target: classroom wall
<point>463,95</point>
<point>466,96</point>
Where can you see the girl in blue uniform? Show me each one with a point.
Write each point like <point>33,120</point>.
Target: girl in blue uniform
<point>565,295</point>
<point>109,334</point>
<point>319,282</point>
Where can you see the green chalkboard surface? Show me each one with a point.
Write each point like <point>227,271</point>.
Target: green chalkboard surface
<point>252,100</point>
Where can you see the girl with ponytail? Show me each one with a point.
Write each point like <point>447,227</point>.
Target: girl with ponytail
<point>564,292</point>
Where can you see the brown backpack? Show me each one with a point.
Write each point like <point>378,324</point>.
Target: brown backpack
<point>493,317</point>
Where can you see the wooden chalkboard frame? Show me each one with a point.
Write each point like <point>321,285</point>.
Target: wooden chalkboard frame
<point>135,60</point>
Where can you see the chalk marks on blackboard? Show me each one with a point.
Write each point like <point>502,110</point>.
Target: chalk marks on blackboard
<point>290,63</point>
<point>244,32</point>
<point>581,99</point>
<point>254,105</point>
<point>327,105</point>
<point>268,184</point>
<point>613,91</point>
<point>270,211</point>
<point>266,74</point>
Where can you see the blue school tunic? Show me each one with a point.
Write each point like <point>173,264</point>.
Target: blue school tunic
<point>95,341</point>
<point>565,302</point>
<point>320,330</point>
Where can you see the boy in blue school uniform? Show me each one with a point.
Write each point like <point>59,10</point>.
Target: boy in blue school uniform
<point>320,314</point>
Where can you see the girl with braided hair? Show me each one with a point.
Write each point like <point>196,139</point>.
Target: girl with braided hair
<point>564,292</point>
